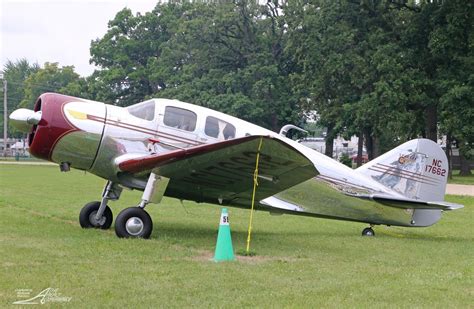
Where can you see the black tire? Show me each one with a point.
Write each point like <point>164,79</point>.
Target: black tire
<point>87,220</point>
<point>368,232</point>
<point>124,227</point>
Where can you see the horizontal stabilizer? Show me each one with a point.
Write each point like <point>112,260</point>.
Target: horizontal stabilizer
<point>408,203</point>
<point>447,205</point>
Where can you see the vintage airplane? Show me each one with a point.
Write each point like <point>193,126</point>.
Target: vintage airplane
<point>172,148</point>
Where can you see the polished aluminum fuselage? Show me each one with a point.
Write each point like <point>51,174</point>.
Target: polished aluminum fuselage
<point>103,135</point>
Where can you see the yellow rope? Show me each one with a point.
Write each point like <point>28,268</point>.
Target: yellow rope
<point>255,184</point>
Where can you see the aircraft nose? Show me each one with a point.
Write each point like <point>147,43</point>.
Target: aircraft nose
<point>23,119</point>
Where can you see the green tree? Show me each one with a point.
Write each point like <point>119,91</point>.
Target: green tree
<point>348,67</point>
<point>228,57</point>
<point>52,78</point>
<point>231,58</point>
<point>385,70</point>
<point>346,160</point>
<point>438,40</point>
<point>128,53</point>
<point>15,74</point>
<point>451,46</point>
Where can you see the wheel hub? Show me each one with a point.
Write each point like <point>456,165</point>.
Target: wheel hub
<point>93,219</point>
<point>134,226</point>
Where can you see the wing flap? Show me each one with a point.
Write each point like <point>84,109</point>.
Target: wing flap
<point>224,171</point>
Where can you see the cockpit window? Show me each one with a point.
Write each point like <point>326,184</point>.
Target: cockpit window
<point>180,118</point>
<point>145,110</point>
<point>218,128</point>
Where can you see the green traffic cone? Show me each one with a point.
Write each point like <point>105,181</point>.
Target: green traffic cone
<point>224,249</point>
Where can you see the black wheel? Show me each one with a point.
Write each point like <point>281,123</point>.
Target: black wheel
<point>368,232</point>
<point>87,217</point>
<point>133,222</point>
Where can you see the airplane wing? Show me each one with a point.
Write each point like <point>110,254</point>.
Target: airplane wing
<point>223,172</point>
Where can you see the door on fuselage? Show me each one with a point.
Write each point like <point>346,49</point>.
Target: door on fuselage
<point>177,128</point>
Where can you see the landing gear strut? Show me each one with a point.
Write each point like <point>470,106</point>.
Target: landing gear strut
<point>368,232</point>
<point>98,214</point>
<point>88,216</point>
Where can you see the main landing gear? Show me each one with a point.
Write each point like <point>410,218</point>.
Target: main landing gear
<point>132,222</point>
<point>88,216</point>
<point>98,214</point>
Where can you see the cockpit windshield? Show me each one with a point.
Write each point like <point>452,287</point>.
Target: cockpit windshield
<point>145,110</point>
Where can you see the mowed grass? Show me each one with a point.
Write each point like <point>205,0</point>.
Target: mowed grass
<point>461,180</point>
<point>300,262</point>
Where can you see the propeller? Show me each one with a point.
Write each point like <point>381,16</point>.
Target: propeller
<point>23,119</point>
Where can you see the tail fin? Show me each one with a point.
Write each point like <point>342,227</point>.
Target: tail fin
<point>417,169</point>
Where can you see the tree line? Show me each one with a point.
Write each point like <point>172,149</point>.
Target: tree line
<point>384,70</point>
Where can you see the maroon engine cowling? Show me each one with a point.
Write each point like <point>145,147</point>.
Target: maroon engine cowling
<point>53,125</point>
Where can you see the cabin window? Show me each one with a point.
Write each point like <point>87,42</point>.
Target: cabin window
<point>180,118</point>
<point>218,128</point>
<point>145,110</point>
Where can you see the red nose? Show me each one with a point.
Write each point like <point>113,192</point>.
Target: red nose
<point>53,125</point>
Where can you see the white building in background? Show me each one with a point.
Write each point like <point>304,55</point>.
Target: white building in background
<point>14,146</point>
<point>340,145</point>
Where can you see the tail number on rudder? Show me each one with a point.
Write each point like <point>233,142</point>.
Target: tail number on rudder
<point>436,168</point>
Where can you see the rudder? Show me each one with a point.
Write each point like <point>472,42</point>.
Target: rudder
<point>417,169</point>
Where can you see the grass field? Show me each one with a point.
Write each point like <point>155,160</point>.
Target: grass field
<point>461,180</point>
<point>300,262</point>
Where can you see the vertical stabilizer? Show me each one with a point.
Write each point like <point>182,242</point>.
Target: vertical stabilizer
<point>418,169</point>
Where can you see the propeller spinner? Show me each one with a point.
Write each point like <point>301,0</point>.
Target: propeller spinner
<point>23,119</point>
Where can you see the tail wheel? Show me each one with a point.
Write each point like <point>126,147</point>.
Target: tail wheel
<point>368,232</point>
<point>133,222</point>
<point>87,217</point>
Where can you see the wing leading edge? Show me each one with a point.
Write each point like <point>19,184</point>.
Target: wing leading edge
<point>223,172</point>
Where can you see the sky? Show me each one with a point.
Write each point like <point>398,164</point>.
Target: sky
<point>58,31</point>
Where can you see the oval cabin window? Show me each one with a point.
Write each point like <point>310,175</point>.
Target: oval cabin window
<point>219,129</point>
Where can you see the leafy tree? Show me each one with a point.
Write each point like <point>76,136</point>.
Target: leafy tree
<point>386,70</point>
<point>348,67</point>
<point>438,45</point>
<point>15,73</point>
<point>451,45</point>
<point>322,42</point>
<point>228,57</point>
<point>129,51</point>
<point>52,78</point>
<point>346,160</point>
<point>232,60</point>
